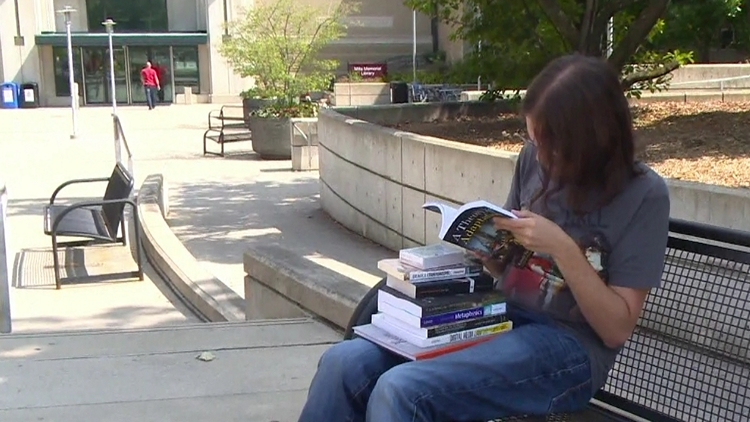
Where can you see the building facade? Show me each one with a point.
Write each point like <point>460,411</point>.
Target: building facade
<point>181,37</point>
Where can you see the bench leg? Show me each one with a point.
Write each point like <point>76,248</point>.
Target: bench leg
<point>221,141</point>
<point>56,261</point>
<point>138,254</point>
<point>123,228</point>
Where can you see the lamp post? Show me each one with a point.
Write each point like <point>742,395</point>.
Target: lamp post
<point>414,45</point>
<point>71,80</point>
<point>109,24</point>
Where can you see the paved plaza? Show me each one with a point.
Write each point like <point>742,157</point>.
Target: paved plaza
<point>218,206</point>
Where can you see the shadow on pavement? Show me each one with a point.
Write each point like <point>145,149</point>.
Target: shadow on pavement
<point>216,221</point>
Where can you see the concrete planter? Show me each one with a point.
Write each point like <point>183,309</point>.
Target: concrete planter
<point>271,137</point>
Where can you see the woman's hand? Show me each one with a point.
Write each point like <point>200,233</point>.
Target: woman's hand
<point>536,233</point>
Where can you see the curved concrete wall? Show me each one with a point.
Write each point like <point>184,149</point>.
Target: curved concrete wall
<point>375,179</point>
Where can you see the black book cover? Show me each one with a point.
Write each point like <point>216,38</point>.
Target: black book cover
<point>432,306</point>
<point>482,284</point>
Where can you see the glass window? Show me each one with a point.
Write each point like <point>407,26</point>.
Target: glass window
<point>60,61</point>
<point>130,15</point>
<point>186,69</point>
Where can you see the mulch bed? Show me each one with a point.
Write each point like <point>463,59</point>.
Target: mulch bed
<point>706,142</point>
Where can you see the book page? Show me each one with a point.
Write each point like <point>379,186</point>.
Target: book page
<point>450,214</point>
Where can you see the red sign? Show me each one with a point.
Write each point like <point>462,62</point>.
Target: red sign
<point>369,70</point>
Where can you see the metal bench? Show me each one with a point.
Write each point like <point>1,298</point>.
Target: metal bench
<point>225,128</point>
<point>689,357</point>
<point>98,220</point>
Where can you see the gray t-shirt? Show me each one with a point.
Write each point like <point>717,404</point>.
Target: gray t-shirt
<point>625,242</point>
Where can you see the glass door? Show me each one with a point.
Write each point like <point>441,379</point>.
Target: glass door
<point>97,89</point>
<point>161,61</point>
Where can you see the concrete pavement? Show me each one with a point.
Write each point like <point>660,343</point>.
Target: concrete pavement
<point>253,372</point>
<point>219,206</point>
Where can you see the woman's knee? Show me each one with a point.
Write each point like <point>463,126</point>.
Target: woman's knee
<point>400,387</point>
<point>354,361</point>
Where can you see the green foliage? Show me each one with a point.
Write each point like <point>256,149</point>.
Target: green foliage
<point>697,25</point>
<point>518,39</point>
<point>278,44</point>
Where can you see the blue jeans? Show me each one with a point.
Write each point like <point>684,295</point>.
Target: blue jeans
<point>150,96</point>
<point>534,369</point>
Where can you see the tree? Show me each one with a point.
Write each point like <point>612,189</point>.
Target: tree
<point>278,44</point>
<point>698,25</point>
<point>532,32</point>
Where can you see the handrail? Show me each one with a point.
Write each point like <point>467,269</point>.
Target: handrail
<point>5,323</point>
<point>120,136</point>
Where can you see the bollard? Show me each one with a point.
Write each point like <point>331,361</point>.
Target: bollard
<point>5,326</point>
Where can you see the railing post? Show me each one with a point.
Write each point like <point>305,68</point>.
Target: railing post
<point>118,146</point>
<point>5,324</point>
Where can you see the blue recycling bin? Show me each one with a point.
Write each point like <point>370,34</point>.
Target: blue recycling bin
<point>9,95</point>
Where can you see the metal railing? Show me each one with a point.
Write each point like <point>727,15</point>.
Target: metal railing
<point>120,141</point>
<point>5,264</point>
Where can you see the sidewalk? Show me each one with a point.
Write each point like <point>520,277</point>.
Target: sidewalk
<point>218,205</point>
<point>36,155</point>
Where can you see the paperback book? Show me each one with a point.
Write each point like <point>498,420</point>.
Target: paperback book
<point>402,347</point>
<point>472,227</point>
<point>395,327</point>
<point>398,270</point>
<point>442,288</point>
<point>432,256</point>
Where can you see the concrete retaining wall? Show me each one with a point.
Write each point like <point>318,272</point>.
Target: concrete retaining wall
<point>700,76</point>
<point>374,179</point>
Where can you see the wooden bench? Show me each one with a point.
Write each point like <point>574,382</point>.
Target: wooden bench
<point>99,221</point>
<point>225,127</point>
<point>689,357</point>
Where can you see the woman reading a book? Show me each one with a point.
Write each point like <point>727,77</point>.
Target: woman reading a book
<point>597,221</point>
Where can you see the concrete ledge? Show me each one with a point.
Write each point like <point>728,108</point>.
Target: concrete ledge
<point>205,293</point>
<point>316,289</point>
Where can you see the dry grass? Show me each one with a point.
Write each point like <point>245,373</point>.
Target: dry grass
<point>706,142</point>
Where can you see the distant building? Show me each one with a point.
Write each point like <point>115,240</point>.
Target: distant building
<point>179,36</point>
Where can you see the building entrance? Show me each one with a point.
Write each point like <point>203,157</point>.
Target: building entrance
<point>128,64</point>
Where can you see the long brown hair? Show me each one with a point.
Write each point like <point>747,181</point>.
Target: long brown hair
<point>583,130</point>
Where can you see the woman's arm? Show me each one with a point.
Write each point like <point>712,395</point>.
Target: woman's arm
<point>634,266</point>
<point>610,310</point>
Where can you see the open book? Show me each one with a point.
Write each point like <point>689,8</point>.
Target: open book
<point>471,227</point>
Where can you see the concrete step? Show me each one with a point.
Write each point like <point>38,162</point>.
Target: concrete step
<point>260,371</point>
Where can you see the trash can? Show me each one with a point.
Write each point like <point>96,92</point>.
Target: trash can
<point>9,95</point>
<point>399,93</point>
<point>28,95</point>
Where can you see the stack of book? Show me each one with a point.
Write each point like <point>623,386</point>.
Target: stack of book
<point>436,300</point>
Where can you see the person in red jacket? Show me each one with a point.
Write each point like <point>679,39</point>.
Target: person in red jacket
<point>151,84</point>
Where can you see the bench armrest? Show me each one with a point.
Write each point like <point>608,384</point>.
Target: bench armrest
<point>75,181</point>
<point>85,204</point>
